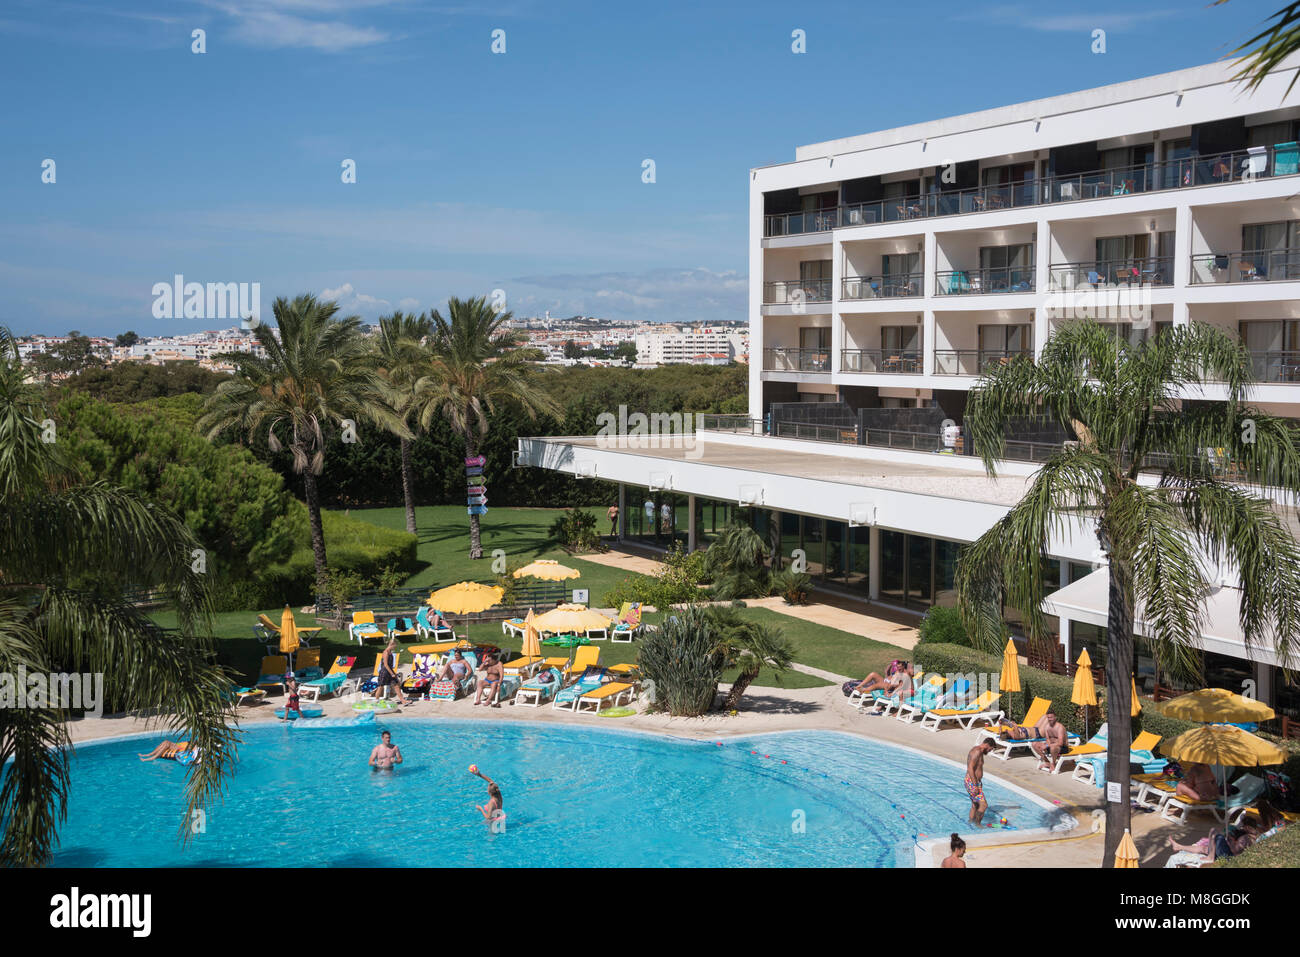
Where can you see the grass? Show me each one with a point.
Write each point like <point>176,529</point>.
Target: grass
<point>521,533</point>
<point>1280,850</point>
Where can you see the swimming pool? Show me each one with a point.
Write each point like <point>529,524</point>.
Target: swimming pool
<point>574,796</point>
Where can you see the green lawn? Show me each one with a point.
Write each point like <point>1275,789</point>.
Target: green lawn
<point>522,534</point>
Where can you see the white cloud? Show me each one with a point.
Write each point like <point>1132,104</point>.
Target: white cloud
<point>662,295</point>
<point>280,23</point>
<point>349,300</point>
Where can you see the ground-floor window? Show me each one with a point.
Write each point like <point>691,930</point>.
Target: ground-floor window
<point>916,571</point>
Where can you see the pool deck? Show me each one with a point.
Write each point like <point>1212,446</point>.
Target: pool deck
<point>804,709</point>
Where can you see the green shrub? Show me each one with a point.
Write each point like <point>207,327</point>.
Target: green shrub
<point>576,531</point>
<point>680,664</point>
<point>943,626</point>
<point>791,585</point>
<point>350,545</point>
<point>693,564</point>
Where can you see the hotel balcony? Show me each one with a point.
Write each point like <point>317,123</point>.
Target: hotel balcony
<point>796,360</point>
<point>1238,166</point>
<point>897,286</point>
<point>794,292</point>
<point>974,362</point>
<point>1144,271</point>
<point>1257,265</point>
<point>895,362</point>
<point>975,282</point>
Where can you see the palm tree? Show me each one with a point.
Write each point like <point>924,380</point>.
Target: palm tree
<point>1265,52</point>
<point>477,363</point>
<point>1141,476</point>
<point>67,553</point>
<point>403,354</point>
<point>318,370</point>
<point>735,562</point>
<point>747,645</point>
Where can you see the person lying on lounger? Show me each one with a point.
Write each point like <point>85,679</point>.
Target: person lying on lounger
<point>168,749</point>
<point>877,682</point>
<point>1198,784</point>
<point>902,687</point>
<point>1228,843</point>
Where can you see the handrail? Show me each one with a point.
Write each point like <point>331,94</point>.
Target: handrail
<point>892,361</point>
<point>893,286</point>
<point>1251,265</point>
<point>955,361</point>
<point>1246,165</point>
<point>794,291</point>
<point>1128,271</point>
<point>776,359</point>
<point>999,279</point>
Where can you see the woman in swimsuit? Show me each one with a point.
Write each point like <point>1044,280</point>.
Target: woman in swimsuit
<point>168,749</point>
<point>491,684</point>
<point>456,668</point>
<point>388,672</point>
<point>291,686</point>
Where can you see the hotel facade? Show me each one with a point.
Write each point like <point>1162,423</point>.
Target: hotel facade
<point>888,270</point>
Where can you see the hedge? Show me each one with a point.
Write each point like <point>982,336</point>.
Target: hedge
<point>350,545</point>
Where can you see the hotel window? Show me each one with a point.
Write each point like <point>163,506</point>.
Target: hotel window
<point>1177,164</point>
<point>1274,349</point>
<point>1269,251</point>
<point>1008,268</point>
<point>1001,339</point>
<point>1271,134</point>
<point>896,340</point>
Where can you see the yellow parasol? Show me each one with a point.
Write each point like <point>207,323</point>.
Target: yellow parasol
<point>1223,744</point>
<point>570,619</point>
<point>1217,705</point>
<point>1010,678</point>
<point>465,598</point>
<point>1135,708</point>
<point>288,634</point>
<point>1085,689</point>
<point>1126,855</point>
<point>532,640</point>
<point>547,569</point>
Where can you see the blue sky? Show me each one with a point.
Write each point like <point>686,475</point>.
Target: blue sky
<point>476,171</point>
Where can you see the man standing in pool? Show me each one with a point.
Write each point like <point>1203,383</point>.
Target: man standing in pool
<point>975,780</point>
<point>386,755</point>
<point>494,811</point>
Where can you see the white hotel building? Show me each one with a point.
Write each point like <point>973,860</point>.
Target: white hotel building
<point>886,270</point>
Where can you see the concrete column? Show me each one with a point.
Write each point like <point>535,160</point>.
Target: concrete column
<point>1265,689</point>
<point>1066,639</point>
<point>690,524</point>
<point>873,564</point>
<point>1042,281</point>
<point>1065,572</point>
<point>622,511</point>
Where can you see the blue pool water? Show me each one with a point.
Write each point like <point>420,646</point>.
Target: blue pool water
<point>573,796</point>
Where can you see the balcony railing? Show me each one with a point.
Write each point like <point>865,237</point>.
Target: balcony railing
<point>965,282</point>
<point>841,435</point>
<point>1258,265</point>
<point>796,360</point>
<point>1261,162</point>
<point>1276,367</point>
<point>975,361</point>
<point>741,423</point>
<point>793,292</point>
<point>1148,271</point>
<point>897,286</point>
<point>903,361</point>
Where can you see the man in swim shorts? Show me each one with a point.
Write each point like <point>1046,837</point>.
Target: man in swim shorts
<point>1054,741</point>
<point>975,779</point>
<point>386,755</point>
<point>291,688</point>
<point>491,683</point>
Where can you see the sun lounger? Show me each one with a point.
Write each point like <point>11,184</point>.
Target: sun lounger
<point>1089,766</point>
<point>984,708</point>
<point>426,619</point>
<point>612,693</point>
<point>566,699</point>
<point>862,700</point>
<point>334,683</point>
<point>439,648</point>
<point>535,692</point>
<point>512,627</point>
<point>269,632</point>
<point>1004,746</point>
<point>363,626</point>
<point>422,675</point>
<point>1249,788</point>
<point>402,628</point>
<point>628,623</point>
<point>524,667</point>
<point>272,672</point>
<point>927,698</point>
<point>585,657</point>
<point>307,665</point>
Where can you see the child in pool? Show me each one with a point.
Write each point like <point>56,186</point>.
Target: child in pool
<point>495,807</point>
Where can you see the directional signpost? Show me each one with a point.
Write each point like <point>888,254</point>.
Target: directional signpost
<point>475,487</point>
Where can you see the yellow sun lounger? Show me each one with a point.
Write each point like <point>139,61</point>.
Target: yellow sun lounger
<point>524,667</point>
<point>441,648</point>
<point>1146,741</point>
<point>614,693</point>
<point>585,657</point>
<point>984,708</point>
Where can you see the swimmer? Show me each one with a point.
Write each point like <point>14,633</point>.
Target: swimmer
<point>495,806</point>
<point>958,848</point>
<point>386,755</point>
